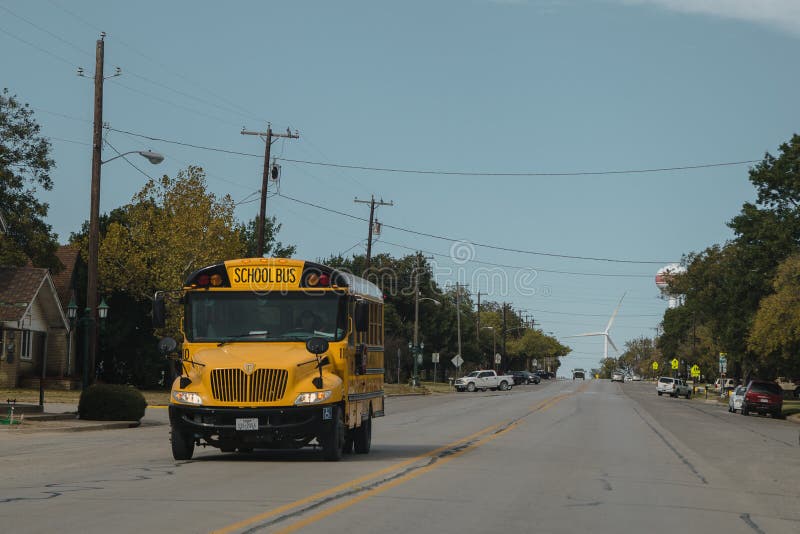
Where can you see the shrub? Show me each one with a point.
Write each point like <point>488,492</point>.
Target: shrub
<point>111,402</point>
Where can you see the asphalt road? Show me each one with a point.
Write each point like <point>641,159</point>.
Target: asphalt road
<point>559,457</point>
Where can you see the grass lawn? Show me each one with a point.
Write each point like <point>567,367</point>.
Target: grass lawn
<point>31,396</point>
<point>161,397</point>
<point>425,388</point>
<point>791,407</point>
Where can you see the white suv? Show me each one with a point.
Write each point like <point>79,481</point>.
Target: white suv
<point>675,387</point>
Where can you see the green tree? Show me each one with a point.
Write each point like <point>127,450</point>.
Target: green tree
<point>25,166</point>
<point>775,336</point>
<point>535,344</point>
<point>725,284</point>
<point>172,227</point>
<point>639,355</point>
<point>272,247</point>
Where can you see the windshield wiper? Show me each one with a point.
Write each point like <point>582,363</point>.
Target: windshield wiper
<point>251,333</point>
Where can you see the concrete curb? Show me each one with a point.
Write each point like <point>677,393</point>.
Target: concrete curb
<point>77,425</point>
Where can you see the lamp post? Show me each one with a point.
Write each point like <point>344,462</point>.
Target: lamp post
<point>86,321</point>
<point>415,346</point>
<point>94,234</point>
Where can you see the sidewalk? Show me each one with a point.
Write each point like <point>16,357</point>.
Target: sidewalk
<point>58,417</point>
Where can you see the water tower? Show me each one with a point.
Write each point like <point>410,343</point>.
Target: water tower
<point>662,281</point>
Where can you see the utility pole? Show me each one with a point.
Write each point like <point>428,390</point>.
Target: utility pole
<point>262,216</point>
<point>94,211</point>
<point>505,306</point>
<point>478,326</point>
<point>458,314</point>
<point>372,203</point>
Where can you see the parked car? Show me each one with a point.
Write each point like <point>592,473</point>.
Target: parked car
<point>763,397</point>
<point>675,387</point>
<point>729,383</point>
<point>736,399</point>
<point>524,377</point>
<point>616,376</point>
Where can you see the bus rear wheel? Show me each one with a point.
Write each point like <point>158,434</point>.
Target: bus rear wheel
<point>362,436</point>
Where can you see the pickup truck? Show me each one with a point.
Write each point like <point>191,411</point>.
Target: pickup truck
<point>484,380</point>
<point>790,387</point>
<point>675,387</point>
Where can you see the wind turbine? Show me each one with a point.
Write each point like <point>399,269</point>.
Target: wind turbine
<point>604,333</point>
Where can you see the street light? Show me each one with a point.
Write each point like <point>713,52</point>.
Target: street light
<point>416,347</point>
<point>94,235</point>
<point>85,320</point>
<point>153,157</point>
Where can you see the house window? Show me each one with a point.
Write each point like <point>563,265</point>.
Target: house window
<point>25,345</point>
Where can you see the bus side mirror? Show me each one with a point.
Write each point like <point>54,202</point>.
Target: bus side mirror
<point>317,345</point>
<point>361,318</point>
<point>159,311</point>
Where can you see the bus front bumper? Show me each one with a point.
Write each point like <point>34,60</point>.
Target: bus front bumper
<point>257,426</point>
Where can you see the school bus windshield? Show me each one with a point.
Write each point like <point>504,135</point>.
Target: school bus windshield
<point>248,316</point>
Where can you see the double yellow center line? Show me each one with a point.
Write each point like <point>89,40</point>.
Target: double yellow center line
<point>455,449</point>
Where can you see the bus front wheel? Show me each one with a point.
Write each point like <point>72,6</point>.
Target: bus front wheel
<point>334,438</point>
<point>182,445</point>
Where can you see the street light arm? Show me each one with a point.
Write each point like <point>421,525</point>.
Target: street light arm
<point>153,157</point>
<point>432,300</point>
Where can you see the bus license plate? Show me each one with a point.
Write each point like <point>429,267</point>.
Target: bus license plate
<point>247,424</point>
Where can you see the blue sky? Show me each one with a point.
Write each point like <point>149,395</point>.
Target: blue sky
<point>549,86</point>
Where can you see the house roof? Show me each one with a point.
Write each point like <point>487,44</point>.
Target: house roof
<point>20,286</point>
<point>68,256</point>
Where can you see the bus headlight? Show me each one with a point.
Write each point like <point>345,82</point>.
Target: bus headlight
<point>187,397</point>
<point>313,398</point>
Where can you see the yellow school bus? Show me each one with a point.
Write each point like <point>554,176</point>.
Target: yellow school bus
<point>276,354</point>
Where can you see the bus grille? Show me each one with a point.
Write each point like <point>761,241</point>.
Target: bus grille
<point>234,385</point>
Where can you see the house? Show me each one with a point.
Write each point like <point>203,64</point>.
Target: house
<point>34,326</point>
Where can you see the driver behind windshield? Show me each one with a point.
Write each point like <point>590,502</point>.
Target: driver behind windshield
<point>308,321</point>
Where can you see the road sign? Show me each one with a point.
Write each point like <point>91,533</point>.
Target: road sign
<point>498,358</point>
<point>457,360</point>
<point>723,362</point>
<point>695,371</point>
<point>674,364</point>
<point>655,366</point>
<point>419,358</point>
<point>435,357</point>
<point>535,363</point>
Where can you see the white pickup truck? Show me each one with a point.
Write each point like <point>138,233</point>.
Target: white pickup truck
<point>484,380</point>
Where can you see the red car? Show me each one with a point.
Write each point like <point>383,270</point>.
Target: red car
<point>763,397</point>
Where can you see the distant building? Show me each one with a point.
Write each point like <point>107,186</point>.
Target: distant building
<point>34,329</point>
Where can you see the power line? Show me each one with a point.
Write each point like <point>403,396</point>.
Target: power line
<point>463,173</point>
<point>519,267</point>
<point>170,102</point>
<point>40,110</point>
<point>522,174</point>
<point>48,32</point>
<point>152,60</point>
<point>484,245</point>
<point>37,47</point>
<point>189,145</point>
